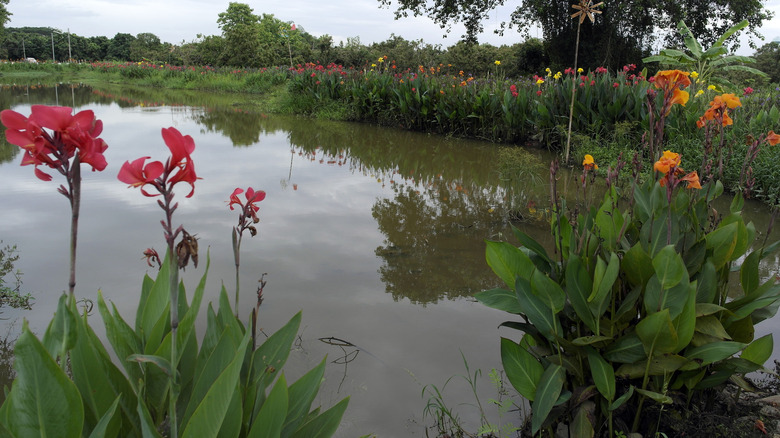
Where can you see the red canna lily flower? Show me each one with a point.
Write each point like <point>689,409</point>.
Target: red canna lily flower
<point>137,174</point>
<point>692,180</point>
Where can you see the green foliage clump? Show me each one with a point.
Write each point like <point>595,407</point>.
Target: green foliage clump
<point>10,291</point>
<point>224,385</point>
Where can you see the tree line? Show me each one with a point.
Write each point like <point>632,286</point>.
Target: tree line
<point>249,40</point>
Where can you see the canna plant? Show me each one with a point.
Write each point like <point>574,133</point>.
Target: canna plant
<point>166,382</point>
<point>636,304</point>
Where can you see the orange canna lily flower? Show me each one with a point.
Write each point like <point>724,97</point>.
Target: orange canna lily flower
<point>692,179</point>
<point>730,100</point>
<point>671,79</point>
<point>773,138</point>
<point>588,163</point>
<point>679,96</point>
<point>668,161</point>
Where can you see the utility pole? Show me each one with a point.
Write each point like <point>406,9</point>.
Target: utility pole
<point>24,52</point>
<point>52,48</point>
<point>70,57</point>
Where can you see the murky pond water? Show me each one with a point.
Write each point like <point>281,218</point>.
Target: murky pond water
<point>376,234</point>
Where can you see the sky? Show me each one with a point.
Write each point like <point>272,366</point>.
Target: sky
<point>177,21</point>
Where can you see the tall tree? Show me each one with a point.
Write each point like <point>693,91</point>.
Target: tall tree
<point>625,27</point>
<point>5,17</point>
<point>240,30</point>
<point>119,47</point>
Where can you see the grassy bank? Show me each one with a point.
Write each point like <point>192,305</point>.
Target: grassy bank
<point>610,111</point>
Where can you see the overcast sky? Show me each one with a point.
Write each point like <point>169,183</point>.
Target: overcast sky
<point>175,21</point>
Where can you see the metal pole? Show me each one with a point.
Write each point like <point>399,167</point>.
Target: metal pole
<point>70,57</point>
<point>24,52</point>
<point>52,48</point>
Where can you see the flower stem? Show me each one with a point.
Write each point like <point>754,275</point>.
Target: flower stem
<point>75,205</point>
<point>573,90</point>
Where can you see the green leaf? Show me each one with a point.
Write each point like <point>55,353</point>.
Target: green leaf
<point>522,369</point>
<point>599,297</point>
<point>714,352</point>
<point>722,242</point>
<point>547,393</point>
<point>271,356</point>
<point>44,401</point>
<point>531,244</point>
<point>655,396</point>
<point>61,334</point>
<point>101,429</point>
<point>500,299</point>
<point>155,305</point>
<point>548,291</point>
<point>603,374</point>
<point>537,311</point>
<point>627,349</point>
<point>760,350</point>
<point>690,41</point>
<point>669,267</point>
<point>657,333</point>
<point>748,272</point>
<point>148,429</point>
<point>578,288</point>
<point>270,418</point>
<point>325,424</point>
<point>622,399</point>
<point>162,363</point>
<point>508,262</point>
<point>301,395</point>
<point>209,412</point>
<point>581,426</point>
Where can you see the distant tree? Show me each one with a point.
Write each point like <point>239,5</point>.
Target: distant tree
<point>625,31</point>
<point>97,48</point>
<point>240,29</point>
<point>323,47</point>
<point>148,46</point>
<point>407,54</point>
<point>768,60</point>
<point>531,58</point>
<point>5,17</point>
<point>119,47</point>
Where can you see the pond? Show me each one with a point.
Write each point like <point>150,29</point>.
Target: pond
<point>376,234</point>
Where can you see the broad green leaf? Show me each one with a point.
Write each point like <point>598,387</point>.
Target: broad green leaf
<point>590,340</point>
<point>578,288</point>
<point>522,369</point>
<point>122,338</point>
<point>548,291</point>
<point>156,303</point>
<point>210,367</point>
<point>661,365</point>
<point>547,393</point>
<point>271,356</point>
<point>706,309</point>
<point>209,412</point>
<point>100,382</point>
<point>603,374</point>
<point>669,267</point>
<point>581,426</point>
<point>760,350</point>
<point>685,323</point>
<point>707,280</point>
<point>731,31</point>
<point>657,333</point>
<point>508,262</point>
<point>599,297</point>
<point>622,399</point>
<point>711,326</point>
<point>44,401</point>
<point>748,272</point>
<point>148,428</point>
<point>690,41</point>
<point>537,311</point>
<point>269,420</point>
<point>609,220</point>
<point>160,362</point>
<point>101,429</point>
<point>531,244</point>
<point>500,299</point>
<point>627,349</point>
<point>714,352</point>
<point>61,334</point>
<point>301,395</point>
<point>655,396</point>
<point>722,243</point>
<point>325,424</point>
